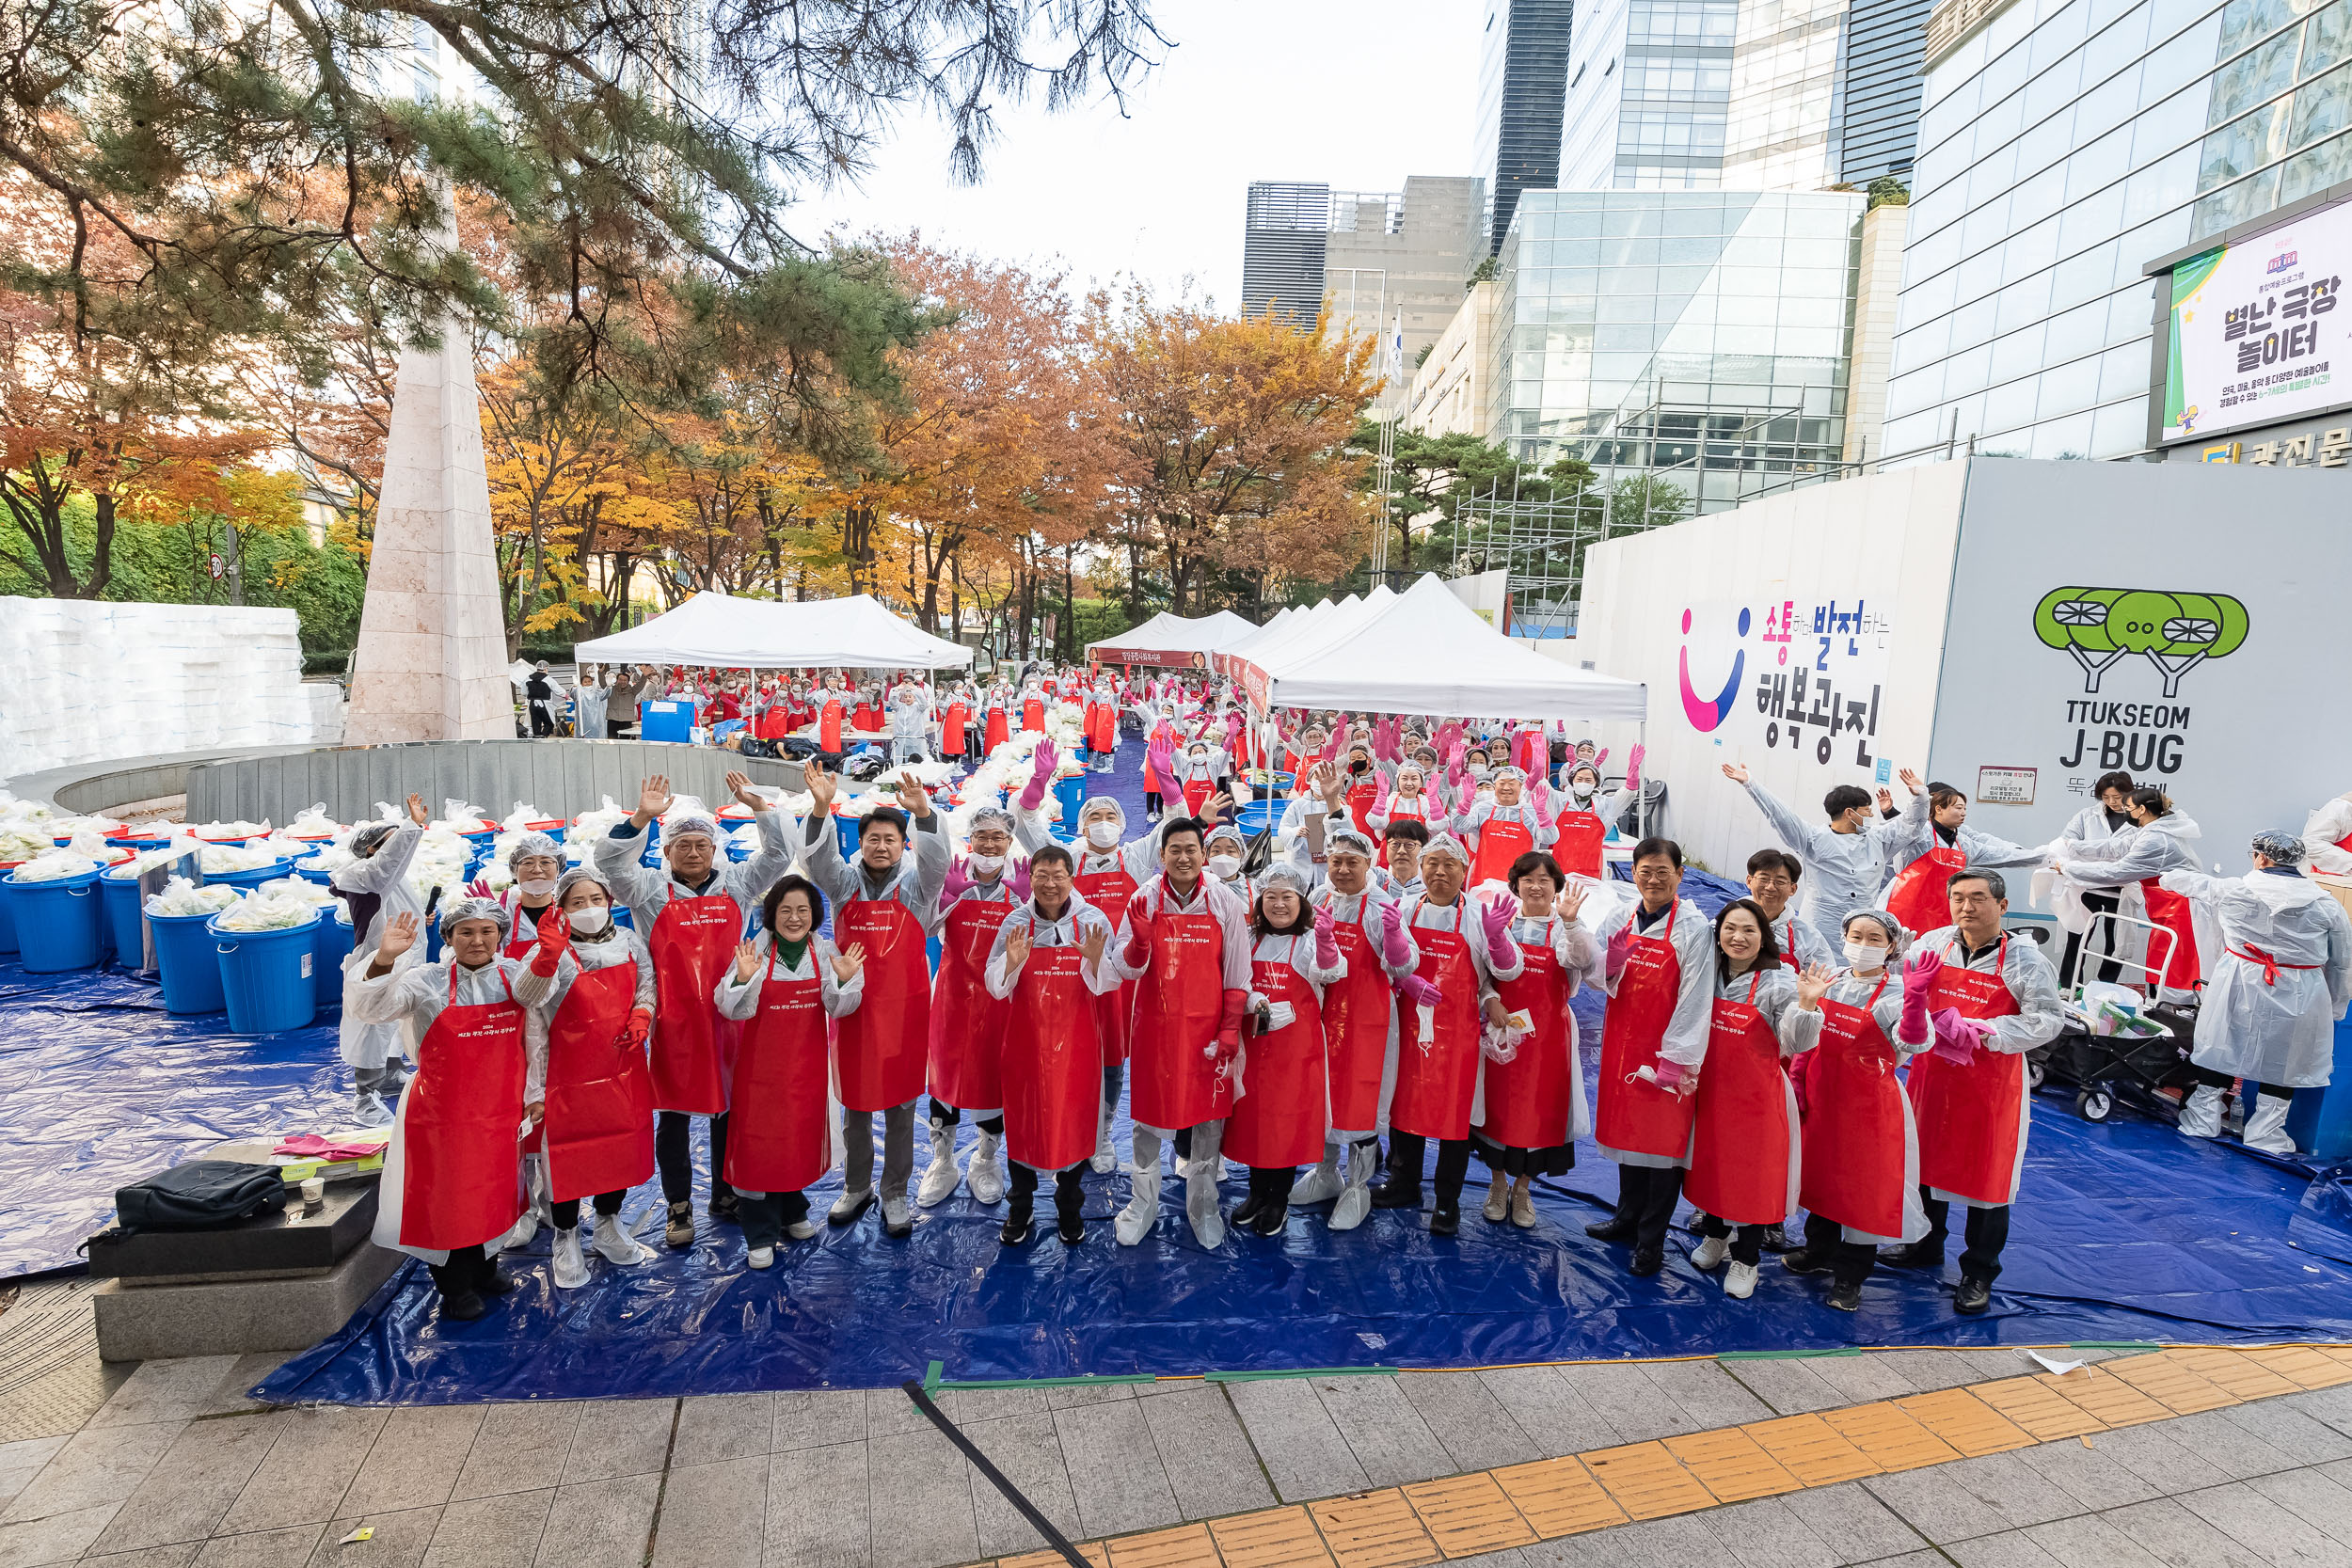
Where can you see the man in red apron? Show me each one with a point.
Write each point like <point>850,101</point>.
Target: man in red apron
<point>449,1185</point>
<point>1186,942</point>
<point>1659,971</point>
<point>1047,969</point>
<point>2158,842</point>
<point>1995,998</point>
<point>1501,829</point>
<point>1465,947</point>
<point>967,1027</point>
<point>1359,1024</point>
<point>1941,843</point>
<point>692,913</point>
<point>886,901</point>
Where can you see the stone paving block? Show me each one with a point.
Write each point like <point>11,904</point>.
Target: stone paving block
<point>1853,1523</point>
<point>2288,1429</point>
<point>1386,1433</point>
<point>1027,1450</point>
<point>2229,1446</point>
<point>1912,1560</point>
<point>2092,1479</point>
<point>1114,1470</point>
<point>400,1540</point>
<point>1926,1370</point>
<point>180,1554</point>
<point>309,1466</point>
<point>1969,1497</point>
<point>175,1390</point>
<point>1463,1414</point>
<point>600,1523</point>
<point>2150,1453</point>
<point>232,1398</point>
<point>20,1461</point>
<point>1623,1395</point>
<point>817,1418</point>
<point>520,1448</point>
<point>416,1459</point>
<point>2090,1542</point>
<point>1790,1386</point>
<point>56,1537</point>
<point>713,1427</point>
<point>192,1485</point>
<point>2009,1549</point>
<point>2243,1514</point>
<point>2173,1535</point>
<point>2313,1497</point>
<point>290,1547</point>
<point>889,1413</point>
<point>1706,1393</point>
<point>967,1406</point>
<point>620,1437</point>
<point>1860,1378</point>
<point>1205,1453</point>
<point>1303,1451</point>
<point>921,1490</point>
<point>716,1517</point>
<point>1767,1534</point>
<point>500,1531</point>
<point>821,1512</point>
<point>97,1468</point>
<point>2331,1405</point>
<point>1076,1394</point>
<point>1678,1542</point>
<point>1557,1420</point>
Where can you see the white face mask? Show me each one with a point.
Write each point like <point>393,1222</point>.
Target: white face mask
<point>1865,959</point>
<point>1223,866</point>
<point>537,888</point>
<point>985,867</point>
<point>1582,790</point>
<point>588,922</point>
<point>1102,835</point>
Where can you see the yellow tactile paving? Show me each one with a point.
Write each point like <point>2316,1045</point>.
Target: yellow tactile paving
<point>2306,1366</point>
<point>2104,1395</point>
<point>1964,1422</point>
<point>2170,1383</point>
<point>1558,1496</point>
<point>2039,1409</point>
<point>1888,1437</point>
<point>2240,1376</point>
<point>1729,1464</point>
<point>1092,1551</point>
<point>1186,1547</point>
<point>1373,1529</point>
<point>1277,1538</point>
<point>1647,1480</point>
<point>1811,1449</point>
<point>1468,1514</point>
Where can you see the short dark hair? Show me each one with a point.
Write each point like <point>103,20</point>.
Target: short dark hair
<point>794,883</point>
<point>2150,799</point>
<point>1657,846</point>
<point>1192,825</point>
<point>1766,956</point>
<point>1845,797</point>
<point>1412,830</point>
<point>1991,880</point>
<point>1940,794</point>
<point>2117,780</point>
<point>1533,862</point>
<point>1776,859</point>
<point>889,815</point>
<point>1052,854</point>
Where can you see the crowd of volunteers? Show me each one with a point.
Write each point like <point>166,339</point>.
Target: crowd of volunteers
<point>1848,1041</point>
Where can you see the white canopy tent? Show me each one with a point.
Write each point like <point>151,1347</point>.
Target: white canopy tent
<point>1179,641</point>
<point>720,632</point>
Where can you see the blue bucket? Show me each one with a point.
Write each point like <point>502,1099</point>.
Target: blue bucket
<point>311,874</point>
<point>249,880</point>
<point>847,829</point>
<point>119,901</point>
<point>266,977</point>
<point>185,957</point>
<point>1071,793</point>
<point>58,925</point>
<point>328,953</point>
<point>1258,817</point>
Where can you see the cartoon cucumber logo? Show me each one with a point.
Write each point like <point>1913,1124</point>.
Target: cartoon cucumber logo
<point>2174,631</point>
<point>1705,713</point>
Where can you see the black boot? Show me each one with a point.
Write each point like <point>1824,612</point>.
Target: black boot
<point>1617,1228</point>
<point>1072,1227</point>
<point>1395,1191</point>
<point>1017,1227</point>
<point>1974,1296</point>
<point>1272,1216</point>
<point>1804,1260</point>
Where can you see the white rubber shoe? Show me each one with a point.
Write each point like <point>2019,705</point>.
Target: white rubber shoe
<point>614,1244</point>
<point>2201,1113</point>
<point>571,1268</point>
<point>1322,1182</point>
<point>1143,1199</point>
<point>986,1176</point>
<point>939,1182</point>
<point>1710,1253</point>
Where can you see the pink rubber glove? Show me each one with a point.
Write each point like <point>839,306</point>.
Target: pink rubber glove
<point>1956,1038</point>
<point>1161,755</point>
<point>1598,757</point>
<point>1393,947</point>
<point>1633,766</point>
<point>1337,744</point>
<point>1327,940</point>
<point>1918,980</point>
<point>1620,948</point>
<point>1017,877</point>
<point>1380,790</point>
<point>1033,794</point>
<point>1420,992</point>
<point>1540,793</point>
<point>958,879</point>
<point>1669,1076</point>
<point>1495,921</point>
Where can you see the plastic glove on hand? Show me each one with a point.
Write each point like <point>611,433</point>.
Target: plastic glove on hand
<point>1633,766</point>
<point>1920,972</point>
<point>1956,1038</point>
<point>957,879</point>
<point>1420,992</point>
<point>1620,948</point>
<point>555,939</point>
<point>1394,949</point>
<point>635,1032</point>
<point>1673,1077</point>
<point>1327,939</point>
<point>1494,922</point>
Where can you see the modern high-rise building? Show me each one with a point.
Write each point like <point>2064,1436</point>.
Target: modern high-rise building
<point>1523,75</point>
<point>1368,264</point>
<point>1878,131</point>
<point>1284,239</point>
<point>1649,88</point>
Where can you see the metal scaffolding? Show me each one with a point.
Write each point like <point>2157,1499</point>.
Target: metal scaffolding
<point>1540,547</point>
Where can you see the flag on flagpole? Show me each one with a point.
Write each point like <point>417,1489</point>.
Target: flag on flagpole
<point>1395,366</point>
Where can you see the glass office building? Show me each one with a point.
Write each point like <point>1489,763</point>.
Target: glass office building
<point>1285,241</point>
<point>2064,145</point>
<point>1522,73</point>
<point>1704,335</point>
<point>1878,129</point>
<point>1649,88</point>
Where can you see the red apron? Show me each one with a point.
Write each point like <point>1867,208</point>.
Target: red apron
<point>524,934</point>
<point>1280,1119</point>
<point>1109,890</point>
<point>694,942</point>
<point>598,1131</point>
<point>1106,728</point>
<point>1196,792</point>
<point>2183,967</point>
<point>868,718</point>
<point>967,1025</point>
<point>1402,808</point>
<point>1532,754</point>
<point>996,731</point>
<point>1501,843</point>
<point>779,1134</point>
<point>1577,847</point>
<point>1053,1062</point>
<point>1638,1118</point>
<point>1531,1098</point>
<point>829,726</point>
<point>1437,1079</point>
<point>458,1124</point>
<point>1359,801</point>
<point>1854,1127</point>
<point>1920,897</point>
<point>1179,999</point>
<point>1032,713</point>
<point>1969,1117</point>
<point>1355,1030</point>
<point>774,721</point>
<point>951,730</point>
<point>1741,1135</point>
<point>879,1049</point>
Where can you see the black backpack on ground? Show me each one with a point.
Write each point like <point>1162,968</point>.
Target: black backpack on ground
<point>202,1195</point>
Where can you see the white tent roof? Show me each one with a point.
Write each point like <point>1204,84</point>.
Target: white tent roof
<point>1172,640</point>
<point>1226,658</point>
<point>1312,629</point>
<point>1424,651</point>
<point>726,633</point>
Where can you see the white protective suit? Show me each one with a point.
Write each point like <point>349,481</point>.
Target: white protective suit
<point>2322,831</point>
<point>2032,980</point>
<point>1843,872</point>
<point>2278,1032</point>
<point>383,876</point>
<point>2124,860</point>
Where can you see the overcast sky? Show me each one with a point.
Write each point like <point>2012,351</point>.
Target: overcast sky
<point>1356,93</point>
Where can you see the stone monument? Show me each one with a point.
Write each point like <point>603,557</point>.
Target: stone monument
<point>431,664</point>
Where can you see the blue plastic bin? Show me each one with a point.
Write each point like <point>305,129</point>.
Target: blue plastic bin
<point>8,920</point>
<point>1071,793</point>
<point>185,957</point>
<point>58,923</point>
<point>847,829</point>
<point>249,880</point>
<point>333,946</point>
<point>311,874</point>
<point>119,902</point>
<point>266,978</point>
<point>1258,817</point>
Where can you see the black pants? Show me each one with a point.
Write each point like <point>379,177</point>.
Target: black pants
<point>675,1157</point>
<point>567,1212</point>
<point>1747,1240</point>
<point>948,1116</point>
<point>2212,1080</point>
<point>1850,1262</point>
<point>1406,1150</point>
<point>2098,903</point>
<point>1152,802</point>
<point>1273,1182</point>
<point>542,722</point>
<point>1986,1233</point>
<point>613,727</point>
<point>1647,1194</point>
<point>468,1269</point>
<point>1070,1195</point>
<point>764,1218</point>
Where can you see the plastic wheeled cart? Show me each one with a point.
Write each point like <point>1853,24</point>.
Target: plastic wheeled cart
<point>2119,1046</point>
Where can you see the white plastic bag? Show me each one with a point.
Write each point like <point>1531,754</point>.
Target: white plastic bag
<point>297,888</point>
<point>313,822</point>
<point>219,859</point>
<point>181,896</point>
<point>54,866</point>
<point>269,911</point>
<point>239,829</point>
<point>23,842</point>
<point>459,818</point>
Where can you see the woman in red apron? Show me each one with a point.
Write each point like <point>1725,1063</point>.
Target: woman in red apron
<point>786,987</point>
<point>1033,710</point>
<point>1195,770</point>
<point>1861,1166</point>
<point>449,1185</point>
<point>1107,877</point>
<point>1944,845</point>
<point>1280,1114</point>
<point>995,727</point>
<point>1359,1024</point>
<point>592,982</point>
<point>2159,841</point>
<point>1582,824</point>
<point>1049,972</point>
<point>833,710</point>
<point>1102,729</point>
<point>967,1026</point>
<point>1532,1106</point>
<point>952,728</point>
<point>535,862</point>
<point>1503,829</point>
<point>1659,971</point>
<point>1744,1153</point>
<point>1408,802</point>
<point>1463,946</point>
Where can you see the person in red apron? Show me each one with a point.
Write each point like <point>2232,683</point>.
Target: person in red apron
<point>449,1186</point>
<point>1501,830</point>
<point>1531,1102</point>
<point>1281,1116</point>
<point>591,981</point>
<point>1195,770</point>
<point>1400,844</point>
<point>833,713</point>
<point>1659,971</point>
<point>868,718</point>
<point>1227,851</point>
<point>995,721</point>
<point>692,913</point>
<point>1994,997</point>
<point>1465,948</point>
<point>535,862</point>
<point>1744,1150</point>
<point>1032,707</point>
<point>1940,842</point>
<point>2158,841</point>
<point>1845,856</point>
<point>374,886</point>
<point>787,988</point>
<point>1860,1185</point>
<point>1410,802</point>
<point>1047,970</point>
<point>967,1026</point>
<point>1184,940</point>
<point>954,738</point>
<point>1359,1025</point>
<point>885,900</point>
